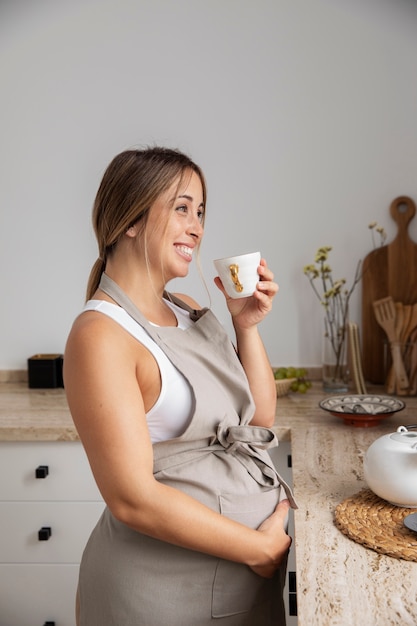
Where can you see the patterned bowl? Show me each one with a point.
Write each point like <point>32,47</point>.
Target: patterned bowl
<point>362,410</point>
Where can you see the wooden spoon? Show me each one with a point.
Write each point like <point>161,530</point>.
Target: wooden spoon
<point>391,379</point>
<point>410,352</point>
<point>412,322</point>
<point>403,334</point>
<point>385,314</point>
<point>413,362</point>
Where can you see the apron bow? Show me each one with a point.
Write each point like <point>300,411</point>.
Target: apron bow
<point>246,444</point>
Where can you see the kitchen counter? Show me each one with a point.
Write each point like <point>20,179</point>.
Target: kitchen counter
<point>34,414</point>
<point>339,582</point>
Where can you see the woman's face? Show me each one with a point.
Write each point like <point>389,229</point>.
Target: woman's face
<point>175,227</point>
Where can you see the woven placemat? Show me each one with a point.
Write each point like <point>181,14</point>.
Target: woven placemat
<point>376,524</point>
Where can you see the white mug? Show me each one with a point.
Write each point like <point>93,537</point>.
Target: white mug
<point>239,274</point>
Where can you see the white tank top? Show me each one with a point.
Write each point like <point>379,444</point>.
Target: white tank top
<point>172,412</point>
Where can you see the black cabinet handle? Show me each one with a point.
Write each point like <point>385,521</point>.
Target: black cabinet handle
<point>42,471</point>
<point>44,533</point>
<point>49,624</point>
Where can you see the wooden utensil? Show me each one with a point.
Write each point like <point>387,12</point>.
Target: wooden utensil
<point>412,322</point>
<point>355,358</point>
<point>403,337</point>
<point>406,323</point>
<point>391,379</point>
<point>389,270</point>
<point>385,314</point>
<point>413,363</point>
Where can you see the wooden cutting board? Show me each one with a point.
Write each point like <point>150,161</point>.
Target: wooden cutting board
<point>390,270</point>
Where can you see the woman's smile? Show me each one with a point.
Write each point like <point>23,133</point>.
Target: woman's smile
<point>185,251</point>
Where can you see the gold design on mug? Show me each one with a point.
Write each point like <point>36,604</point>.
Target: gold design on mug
<point>234,273</point>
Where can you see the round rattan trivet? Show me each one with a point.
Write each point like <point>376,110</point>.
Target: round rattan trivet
<point>376,524</point>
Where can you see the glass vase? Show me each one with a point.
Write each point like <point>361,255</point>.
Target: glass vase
<point>335,371</point>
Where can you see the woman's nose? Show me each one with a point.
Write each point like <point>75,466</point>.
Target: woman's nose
<point>195,227</point>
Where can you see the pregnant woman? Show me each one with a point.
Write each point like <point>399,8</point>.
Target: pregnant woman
<point>174,418</point>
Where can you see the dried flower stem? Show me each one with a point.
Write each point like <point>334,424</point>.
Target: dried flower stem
<point>335,300</point>
<point>335,297</point>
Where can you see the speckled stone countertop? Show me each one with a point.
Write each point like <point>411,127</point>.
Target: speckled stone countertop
<point>34,414</point>
<point>339,582</point>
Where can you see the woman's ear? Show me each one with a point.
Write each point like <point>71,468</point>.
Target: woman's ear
<point>132,231</point>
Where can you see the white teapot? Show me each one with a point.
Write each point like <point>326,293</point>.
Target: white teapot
<point>390,467</point>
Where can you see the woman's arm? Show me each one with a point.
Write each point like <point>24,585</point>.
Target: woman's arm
<point>256,364</point>
<point>246,314</point>
<point>101,372</point>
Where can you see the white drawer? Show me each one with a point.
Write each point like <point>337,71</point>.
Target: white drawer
<point>31,595</point>
<point>71,524</point>
<point>69,475</point>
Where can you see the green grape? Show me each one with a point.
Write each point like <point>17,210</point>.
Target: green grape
<point>301,384</point>
<point>280,374</point>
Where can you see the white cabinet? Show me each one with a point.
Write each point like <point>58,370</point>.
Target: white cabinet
<point>49,504</point>
<point>37,595</point>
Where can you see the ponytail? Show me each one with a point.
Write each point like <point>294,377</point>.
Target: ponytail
<point>95,276</point>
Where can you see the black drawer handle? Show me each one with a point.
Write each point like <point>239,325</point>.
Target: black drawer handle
<point>49,624</point>
<point>44,533</point>
<point>42,471</point>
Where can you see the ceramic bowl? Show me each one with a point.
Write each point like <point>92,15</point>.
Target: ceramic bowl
<point>362,410</point>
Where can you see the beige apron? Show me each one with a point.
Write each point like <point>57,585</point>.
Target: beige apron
<point>129,579</point>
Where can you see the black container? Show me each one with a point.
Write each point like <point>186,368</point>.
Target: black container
<point>45,371</point>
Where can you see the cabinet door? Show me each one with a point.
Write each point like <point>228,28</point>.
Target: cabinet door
<point>70,522</point>
<point>68,475</point>
<point>31,595</point>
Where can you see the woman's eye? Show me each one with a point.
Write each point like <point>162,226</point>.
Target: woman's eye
<point>183,208</point>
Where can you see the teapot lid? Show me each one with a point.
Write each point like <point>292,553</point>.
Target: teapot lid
<point>404,435</point>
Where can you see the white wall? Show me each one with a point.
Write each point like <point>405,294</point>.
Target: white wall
<point>302,114</point>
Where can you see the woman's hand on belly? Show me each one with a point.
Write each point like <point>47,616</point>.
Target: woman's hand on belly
<point>274,528</point>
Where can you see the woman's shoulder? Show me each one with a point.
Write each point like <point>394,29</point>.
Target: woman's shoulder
<point>91,328</point>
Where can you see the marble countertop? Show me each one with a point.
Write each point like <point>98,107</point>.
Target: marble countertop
<point>34,414</point>
<point>339,582</point>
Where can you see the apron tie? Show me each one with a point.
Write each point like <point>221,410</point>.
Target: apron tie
<point>244,442</point>
<point>256,436</point>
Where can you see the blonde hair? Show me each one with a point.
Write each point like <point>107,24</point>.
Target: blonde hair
<point>131,183</point>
